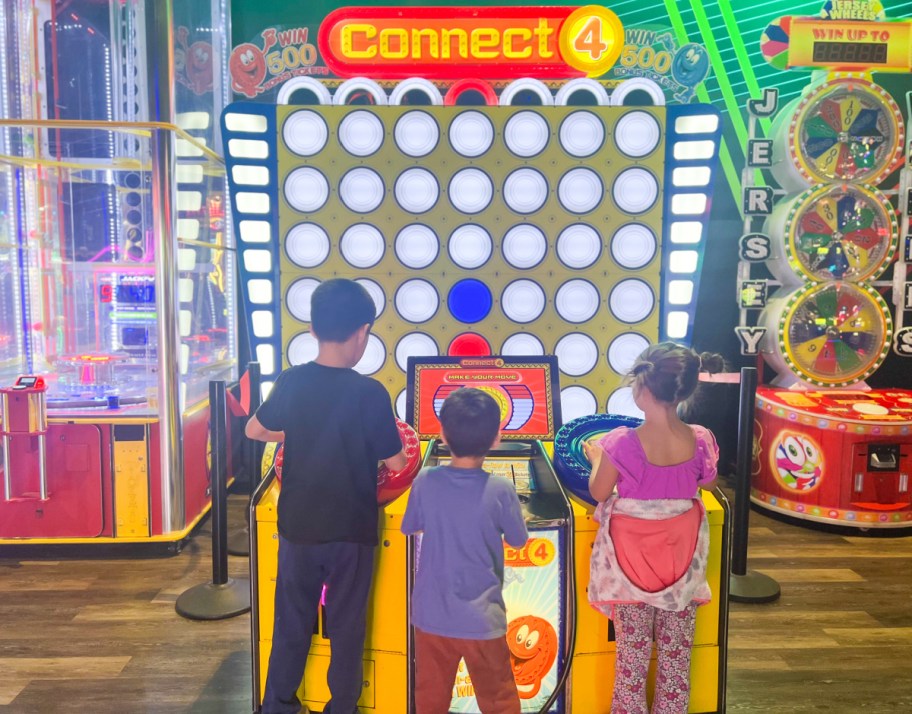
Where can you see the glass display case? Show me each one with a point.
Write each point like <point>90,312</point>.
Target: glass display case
<point>117,267</point>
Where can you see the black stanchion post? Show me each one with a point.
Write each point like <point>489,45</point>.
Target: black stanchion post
<point>222,597</point>
<point>239,538</point>
<point>744,585</point>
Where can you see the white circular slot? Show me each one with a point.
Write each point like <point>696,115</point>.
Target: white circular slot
<point>577,354</point>
<point>526,134</point>
<point>297,298</point>
<point>361,133</point>
<point>376,293</point>
<point>401,402</point>
<point>417,300</point>
<point>579,245</point>
<point>577,301</point>
<point>637,134</point>
<point>314,86</point>
<point>523,301</point>
<point>635,190</point>
<point>417,190</point>
<point>471,134</point>
<point>568,93</point>
<point>414,344</point>
<point>525,190</point>
<point>470,190</point>
<point>580,190</point>
<point>638,84</point>
<point>633,246</point>
<point>520,91</point>
<point>415,84</point>
<point>307,245</point>
<point>362,190</point>
<point>417,246</point>
<point>621,402</point>
<point>582,134</point>
<point>470,246</point>
<point>624,349</point>
<point>631,300</point>
<point>416,134</point>
<point>356,89</point>
<point>522,344</point>
<point>577,402</point>
<point>306,189</point>
<point>524,246</point>
<point>305,133</point>
<point>303,348</point>
<point>373,358</point>
<point>362,245</point>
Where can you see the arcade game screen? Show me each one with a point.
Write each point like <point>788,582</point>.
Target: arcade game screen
<point>524,387</point>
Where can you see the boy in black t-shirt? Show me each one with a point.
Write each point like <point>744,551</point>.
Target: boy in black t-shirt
<point>337,425</point>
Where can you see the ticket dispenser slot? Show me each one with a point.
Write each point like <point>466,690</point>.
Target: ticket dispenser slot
<point>883,457</point>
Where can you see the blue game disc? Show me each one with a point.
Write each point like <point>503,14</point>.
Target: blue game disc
<point>469,301</point>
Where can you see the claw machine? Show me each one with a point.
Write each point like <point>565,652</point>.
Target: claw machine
<point>117,268</point>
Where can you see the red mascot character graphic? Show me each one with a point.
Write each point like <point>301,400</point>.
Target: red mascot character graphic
<point>247,64</point>
<point>533,649</point>
<point>193,63</point>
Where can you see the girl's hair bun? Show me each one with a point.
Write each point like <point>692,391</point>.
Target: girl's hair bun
<point>711,362</point>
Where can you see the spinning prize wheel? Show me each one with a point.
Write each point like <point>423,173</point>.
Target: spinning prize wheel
<point>829,334</point>
<point>844,130</point>
<point>570,462</point>
<point>835,232</point>
<point>390,484</point>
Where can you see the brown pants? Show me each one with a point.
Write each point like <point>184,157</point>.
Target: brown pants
<point>437,662</point>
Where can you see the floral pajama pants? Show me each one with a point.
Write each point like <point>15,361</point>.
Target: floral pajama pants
<point>634,625</point>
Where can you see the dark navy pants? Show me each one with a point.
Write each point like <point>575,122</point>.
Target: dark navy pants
<point>347,570</point>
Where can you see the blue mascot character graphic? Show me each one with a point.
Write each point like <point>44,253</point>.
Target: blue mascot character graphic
<point>798,462</point>
<point>689,67</point>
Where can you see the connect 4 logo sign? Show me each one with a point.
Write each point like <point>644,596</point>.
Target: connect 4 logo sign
<point>448,43</point>
<point>536,553</point>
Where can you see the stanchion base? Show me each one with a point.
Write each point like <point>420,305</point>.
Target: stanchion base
<point>239,542</point>
<point>752,587</point>
<point>209,601</point>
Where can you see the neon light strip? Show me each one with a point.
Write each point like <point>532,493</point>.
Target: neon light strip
<point>682,260</point>
<point>259,346</point>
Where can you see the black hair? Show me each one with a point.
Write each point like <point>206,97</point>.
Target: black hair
<point>339,308</point>
<point>671,371</point>
<point>471,421</point>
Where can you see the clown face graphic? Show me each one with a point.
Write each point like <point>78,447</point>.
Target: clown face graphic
<point>798,461</point>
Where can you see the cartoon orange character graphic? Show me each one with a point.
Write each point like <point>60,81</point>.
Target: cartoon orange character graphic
<point>193,63</point>
<point>533,649</point>
<point>247,65</point>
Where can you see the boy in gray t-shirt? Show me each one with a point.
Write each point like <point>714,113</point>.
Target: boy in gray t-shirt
<point>464,514</point>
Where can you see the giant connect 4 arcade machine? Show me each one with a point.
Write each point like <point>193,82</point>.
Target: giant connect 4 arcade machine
<point>505,209</point>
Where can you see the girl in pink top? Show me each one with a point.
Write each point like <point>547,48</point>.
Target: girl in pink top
<point>648,568</point>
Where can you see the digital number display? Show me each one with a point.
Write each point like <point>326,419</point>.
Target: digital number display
<point>135,293</point>
<point>859,52</point>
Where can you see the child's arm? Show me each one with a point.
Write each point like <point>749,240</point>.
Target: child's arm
<point>413,520</point>
<point>706,442</point>
<point>256,431</point>
<point>397,462</point>
<point>513,524</point>
<point>604,474</point>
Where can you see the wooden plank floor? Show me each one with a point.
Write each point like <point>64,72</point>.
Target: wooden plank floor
<point>102,636</point>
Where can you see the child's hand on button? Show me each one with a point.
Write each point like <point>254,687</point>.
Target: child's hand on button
<point>593,452</point>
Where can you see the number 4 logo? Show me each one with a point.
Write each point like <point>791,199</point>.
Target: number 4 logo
<point>591,39</point>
